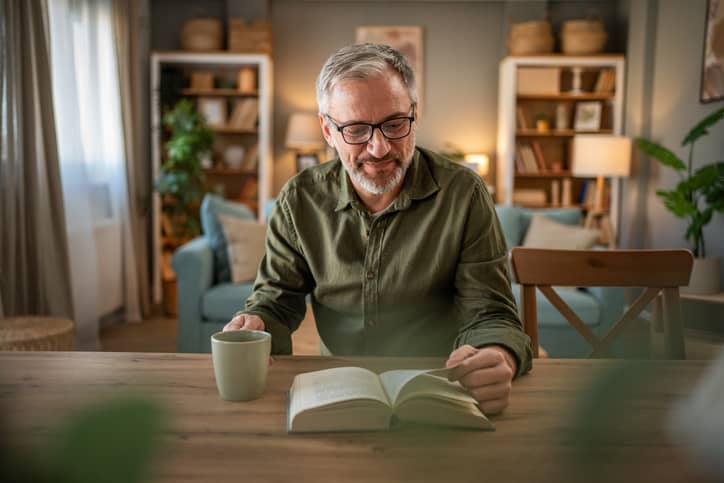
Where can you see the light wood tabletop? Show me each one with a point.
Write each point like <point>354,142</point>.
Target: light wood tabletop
<point>210,440</point>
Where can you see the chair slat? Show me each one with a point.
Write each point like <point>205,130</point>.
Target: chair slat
<point>656,270</point>
<point>568,313</point>
<point>602,268</point>
<point>630,315</point>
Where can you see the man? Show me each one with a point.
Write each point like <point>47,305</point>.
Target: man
<point>400,249</point>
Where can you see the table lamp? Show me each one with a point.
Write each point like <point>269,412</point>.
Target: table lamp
<point>482,162</point>
<point>304,136</point>
<point>600,156</point>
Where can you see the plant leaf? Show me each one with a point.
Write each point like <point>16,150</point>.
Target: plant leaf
<point>663,155</point>
<point>701,129</point>
<point>112,442</point>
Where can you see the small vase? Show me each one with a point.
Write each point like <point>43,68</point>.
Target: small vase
<point>704,278</point>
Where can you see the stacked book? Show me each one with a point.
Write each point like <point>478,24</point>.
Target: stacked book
<point>606,81</point>
<point>529,158</point>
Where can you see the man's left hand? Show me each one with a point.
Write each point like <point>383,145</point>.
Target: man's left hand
<point>486,373</point>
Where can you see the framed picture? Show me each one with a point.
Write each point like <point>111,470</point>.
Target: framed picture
<point>712,75</point>
<point>588,116</point>
<point>305,161</point>
<point>406,39</point>
<point>214,110</point>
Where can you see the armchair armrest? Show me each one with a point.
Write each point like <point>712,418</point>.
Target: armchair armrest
<point>194,267</point>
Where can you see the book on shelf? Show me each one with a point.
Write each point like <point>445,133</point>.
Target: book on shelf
<point>251,160</point>
<point>606,81</point>
<point>519,165</point>
<point>245,114</point>
<point>540,159</point>
<point>530,164</point>
<point>521,121</point>
<point>356,399</point>
<point>529,197</point>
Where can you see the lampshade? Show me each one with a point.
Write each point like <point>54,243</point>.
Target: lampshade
<point>481,160</point>
<point>303,132</point>
<point>597,155</point>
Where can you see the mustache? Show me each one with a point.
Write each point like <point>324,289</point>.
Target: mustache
<point>372,159</point>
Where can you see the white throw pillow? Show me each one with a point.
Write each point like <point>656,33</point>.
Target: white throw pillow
<point>245,244</point>
<point>546,233</point>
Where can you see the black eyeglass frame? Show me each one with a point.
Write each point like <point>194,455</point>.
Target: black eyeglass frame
<point>410,118</point>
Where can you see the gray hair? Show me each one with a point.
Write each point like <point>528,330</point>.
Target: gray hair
<point>362,61</point>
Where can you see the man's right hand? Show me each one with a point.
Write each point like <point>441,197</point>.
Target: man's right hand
<point>245,322</point>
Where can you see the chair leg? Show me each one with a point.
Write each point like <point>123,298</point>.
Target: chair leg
<point>673,325</point>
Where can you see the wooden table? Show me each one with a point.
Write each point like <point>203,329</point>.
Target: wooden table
<point>210,440</point>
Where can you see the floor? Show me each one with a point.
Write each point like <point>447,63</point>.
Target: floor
<point>158,334</point>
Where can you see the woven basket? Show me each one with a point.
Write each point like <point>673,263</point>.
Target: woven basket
<point>36,334</point>
<point>530,38</point>
<point>583,37</point>
<point>202,34</point>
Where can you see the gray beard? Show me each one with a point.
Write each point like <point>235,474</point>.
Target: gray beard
<point>373,187</point>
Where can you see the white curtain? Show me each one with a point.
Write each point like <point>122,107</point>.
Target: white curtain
<point>92,157</point>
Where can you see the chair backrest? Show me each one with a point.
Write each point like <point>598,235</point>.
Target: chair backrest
<point>658,271</point>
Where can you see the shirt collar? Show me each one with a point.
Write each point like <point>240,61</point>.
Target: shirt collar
<point>418,184</point>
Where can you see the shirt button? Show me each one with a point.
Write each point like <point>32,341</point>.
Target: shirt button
<point>371,323</point>
<point>370,275</point>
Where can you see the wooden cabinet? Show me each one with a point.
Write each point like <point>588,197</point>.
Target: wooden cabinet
<point>235,93</point>
<point>573,95</point>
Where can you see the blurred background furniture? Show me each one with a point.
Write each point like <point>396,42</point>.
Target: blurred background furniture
<point>657,271</point>
<point>207,299</point>
<point>34,333</point>
<point>599,307</point>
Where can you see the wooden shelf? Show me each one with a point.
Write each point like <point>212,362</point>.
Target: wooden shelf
<point>557,133</point>
<point>233,130</point>
<point>218,92</point>
<point>565,96</point>
<point>230,171</point>
<point>546,174</point>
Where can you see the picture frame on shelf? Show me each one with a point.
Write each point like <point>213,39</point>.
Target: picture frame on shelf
<point>712,69</point>
<point>306,160</point>
<point>588,116</point>
<point>214,110</point>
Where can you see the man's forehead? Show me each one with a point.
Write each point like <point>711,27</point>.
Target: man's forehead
<point>371,98</point>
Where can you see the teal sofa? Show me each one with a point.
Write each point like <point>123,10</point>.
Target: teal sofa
<point>207,299</point>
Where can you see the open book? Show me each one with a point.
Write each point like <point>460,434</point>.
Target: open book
<point>356,399</point>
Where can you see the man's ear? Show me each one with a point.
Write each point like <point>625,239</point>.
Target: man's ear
<point>326,132</point>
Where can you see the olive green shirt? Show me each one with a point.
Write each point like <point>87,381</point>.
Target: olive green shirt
<point>428,275</point>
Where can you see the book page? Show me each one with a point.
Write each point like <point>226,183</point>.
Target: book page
<point>331,386</point>
<point>394,381</point>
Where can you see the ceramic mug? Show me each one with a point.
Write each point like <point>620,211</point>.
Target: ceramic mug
<point>241,363</point>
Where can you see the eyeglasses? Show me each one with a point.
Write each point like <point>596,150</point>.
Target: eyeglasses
<point>361,132</point>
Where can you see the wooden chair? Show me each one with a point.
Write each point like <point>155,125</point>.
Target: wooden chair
<point>655,270</point>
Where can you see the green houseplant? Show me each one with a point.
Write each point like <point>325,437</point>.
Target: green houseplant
<point>698,194</point>
<point>181,181</point>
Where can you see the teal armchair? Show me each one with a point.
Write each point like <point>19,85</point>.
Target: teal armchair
<point>598,307</point>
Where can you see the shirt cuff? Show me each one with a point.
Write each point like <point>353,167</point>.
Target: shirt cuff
<point>517,342</point>
<point>281,335</point>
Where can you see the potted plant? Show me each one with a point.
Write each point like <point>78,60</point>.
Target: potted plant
<point>181,180</point>
<point>696,197</point>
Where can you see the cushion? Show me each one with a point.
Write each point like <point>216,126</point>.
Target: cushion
<point>567,216</point>
<point>512,224</point>
<point>222,301</point>
<point>546,233</point>
<point>245,245</point>
<point>211,207</point>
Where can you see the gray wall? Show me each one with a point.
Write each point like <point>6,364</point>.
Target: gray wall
<point>666,39</point>
<point>463,42</point>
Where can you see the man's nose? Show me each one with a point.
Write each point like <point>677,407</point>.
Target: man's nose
<point>378,145</point>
